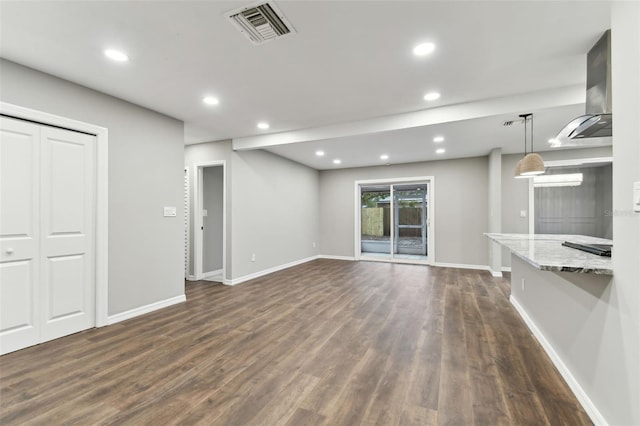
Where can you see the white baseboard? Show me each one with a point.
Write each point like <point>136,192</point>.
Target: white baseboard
<point>112,319</point>
<point>329,256</point>
<point>462,266</point>
<point>506,269</point>
<point>258,274</point>
<point>495,274</point>
<point>575,387</point>
<point>212,273</point>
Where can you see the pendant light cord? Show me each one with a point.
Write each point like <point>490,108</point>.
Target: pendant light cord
<point>532,133</point>
<point>525,116</point>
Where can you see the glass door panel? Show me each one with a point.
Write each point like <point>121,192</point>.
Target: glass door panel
<point>410,220</point>
<point>375,221</point>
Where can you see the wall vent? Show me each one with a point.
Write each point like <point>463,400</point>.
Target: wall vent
<point>261,22</point>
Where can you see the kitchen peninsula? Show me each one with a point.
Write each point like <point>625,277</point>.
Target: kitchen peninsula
<point>563,294</point>
<point>546,252</point>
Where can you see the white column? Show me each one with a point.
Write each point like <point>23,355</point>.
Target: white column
<point>495,210</point>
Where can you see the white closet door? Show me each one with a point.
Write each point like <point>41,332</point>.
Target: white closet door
<point>67,237</point>
<point>19,234</point>
<point>47,233</point>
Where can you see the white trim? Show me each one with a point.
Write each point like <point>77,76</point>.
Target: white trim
<point>462,266</point>
<point>212,273</point>
<point>132,313</point>
<point>581,395</point>
<point>395,260</point>
<point>531,206</point>
<point>188,222</point>
<point>329,256</point>
<point>578,162</point>
<point>102,196</point>
<point>197,222</point>
<point>431,242</point>
<point>506,269</point>
<point>258,274</point>
<point>357,249</point>
<point>191,278</point>
<point>495,274</point>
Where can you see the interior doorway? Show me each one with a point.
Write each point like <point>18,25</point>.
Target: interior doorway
<point>394,220</point>
<point>210,222</point>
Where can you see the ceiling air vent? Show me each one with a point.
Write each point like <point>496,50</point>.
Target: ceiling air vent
<point>261,22</point>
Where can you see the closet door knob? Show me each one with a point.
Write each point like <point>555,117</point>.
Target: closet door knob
<point>9,250</point>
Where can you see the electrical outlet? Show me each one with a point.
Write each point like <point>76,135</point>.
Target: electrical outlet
<point>523,213</point>
<point>523,286</point>
<point>253,257</point>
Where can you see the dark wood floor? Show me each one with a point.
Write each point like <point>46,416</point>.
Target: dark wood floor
<point>328,342</point>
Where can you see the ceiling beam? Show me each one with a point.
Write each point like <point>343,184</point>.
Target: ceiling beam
<point>569,95</point>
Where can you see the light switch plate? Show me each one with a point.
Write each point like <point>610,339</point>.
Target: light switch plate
<point>636,197</point>
<point>169,211</point>
<point>523,213</point>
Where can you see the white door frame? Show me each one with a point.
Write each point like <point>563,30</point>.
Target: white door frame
<point>187,220</point>
<point>102,194</point>
<point>431,255</point>
<point>197,217</point>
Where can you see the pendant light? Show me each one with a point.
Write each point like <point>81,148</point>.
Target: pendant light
<point>532,163</point>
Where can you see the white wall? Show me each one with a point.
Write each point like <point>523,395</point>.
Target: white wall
<point>145,174</point>
<point>275,212</point>
<point>207,153</point>
<point>617,390</point>
<point>212,194</point>
<point>461,205</point>
<point>272,207</point>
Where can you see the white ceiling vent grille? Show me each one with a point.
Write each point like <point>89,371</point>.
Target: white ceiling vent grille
<point>261,22</point>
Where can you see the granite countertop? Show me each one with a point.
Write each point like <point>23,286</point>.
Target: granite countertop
<point>546,252</point>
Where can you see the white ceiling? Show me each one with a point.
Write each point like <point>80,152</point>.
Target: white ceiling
<point>466,138</point>
<point>349,61</point>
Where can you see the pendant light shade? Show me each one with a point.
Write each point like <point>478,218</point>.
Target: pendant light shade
<point>532,163</point>
<point>516,173</point>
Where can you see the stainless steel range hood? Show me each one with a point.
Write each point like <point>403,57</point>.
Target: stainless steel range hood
<point>595,127</point>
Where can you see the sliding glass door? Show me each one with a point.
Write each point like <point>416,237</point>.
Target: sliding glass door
<point>375,235</point>
<point>394,221</point>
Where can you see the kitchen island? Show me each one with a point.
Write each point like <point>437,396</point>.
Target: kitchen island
<point>563,295</point>
<point>546,252</point>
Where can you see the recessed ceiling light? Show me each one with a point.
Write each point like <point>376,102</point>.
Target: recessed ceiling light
<point>263,125</point>
<point>210,100</point>
<point>438,139</point>
<point>440,151</point>
<point>432,96</point>
<point>337,161</point>
<point>424,49</point>
<point>320,153</point>
<point>116,55</point>
<point>384,157</point>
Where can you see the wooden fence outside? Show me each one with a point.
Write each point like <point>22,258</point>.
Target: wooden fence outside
<point>375,221</point>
